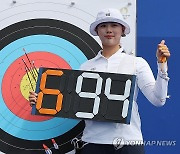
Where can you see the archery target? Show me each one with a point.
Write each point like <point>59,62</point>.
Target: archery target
<point>54,34</point>
<point>49,43</point>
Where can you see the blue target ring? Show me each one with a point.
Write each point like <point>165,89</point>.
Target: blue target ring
<point>38,130</point>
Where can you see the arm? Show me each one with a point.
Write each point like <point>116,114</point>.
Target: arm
<point>154,90</point>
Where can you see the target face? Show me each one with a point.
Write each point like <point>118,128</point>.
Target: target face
<point>49,43</point>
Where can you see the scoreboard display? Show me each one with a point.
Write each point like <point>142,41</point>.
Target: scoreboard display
<point>88,95</point>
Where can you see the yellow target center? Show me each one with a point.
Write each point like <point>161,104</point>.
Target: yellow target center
<point>28,82</point>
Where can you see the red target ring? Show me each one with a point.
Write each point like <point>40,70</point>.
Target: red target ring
<point>13,95</point>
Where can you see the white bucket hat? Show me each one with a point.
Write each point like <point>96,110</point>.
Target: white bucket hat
<point>109,15</point>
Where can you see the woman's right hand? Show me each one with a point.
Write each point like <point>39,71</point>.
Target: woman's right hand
<point>32,98</point>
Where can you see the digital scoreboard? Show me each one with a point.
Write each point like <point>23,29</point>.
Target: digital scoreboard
<point>84,95</point>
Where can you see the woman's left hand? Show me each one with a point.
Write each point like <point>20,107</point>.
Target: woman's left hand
<point>163,52</point>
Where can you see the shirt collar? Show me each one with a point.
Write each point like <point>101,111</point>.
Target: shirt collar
<point>99,55</point>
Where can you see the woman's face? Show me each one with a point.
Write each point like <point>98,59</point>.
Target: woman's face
<point>110,33</point>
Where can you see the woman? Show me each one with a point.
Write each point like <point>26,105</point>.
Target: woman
<point>100,136</point>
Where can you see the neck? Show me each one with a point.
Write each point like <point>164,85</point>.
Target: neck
<point>108,51</point>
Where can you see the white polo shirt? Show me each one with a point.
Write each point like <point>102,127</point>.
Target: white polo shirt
<point>154,91</point>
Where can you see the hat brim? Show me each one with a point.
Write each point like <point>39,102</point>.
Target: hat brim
<point>109,19</point>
